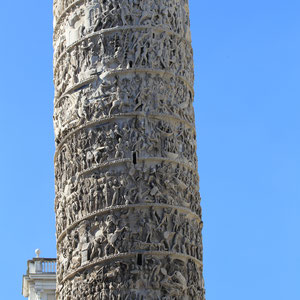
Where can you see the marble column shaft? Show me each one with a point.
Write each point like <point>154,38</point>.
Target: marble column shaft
<point>128,215</point>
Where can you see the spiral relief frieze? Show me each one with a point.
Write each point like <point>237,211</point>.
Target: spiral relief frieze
<point>124,94</point>
<point>82,17</point>
<point>124,50</point>
<point>128,215</point>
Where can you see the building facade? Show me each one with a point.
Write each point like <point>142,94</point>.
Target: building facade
<point>39,283</point>
<point>127,187</point>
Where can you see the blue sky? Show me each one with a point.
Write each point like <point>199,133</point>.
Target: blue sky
<point>247,66</point>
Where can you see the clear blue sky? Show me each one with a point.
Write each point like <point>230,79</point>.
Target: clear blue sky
<point>247,64</point>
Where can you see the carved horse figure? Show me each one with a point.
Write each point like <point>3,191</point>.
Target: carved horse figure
<point>120,101</point>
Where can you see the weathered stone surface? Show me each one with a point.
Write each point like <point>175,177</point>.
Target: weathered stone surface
<point>127,200</point>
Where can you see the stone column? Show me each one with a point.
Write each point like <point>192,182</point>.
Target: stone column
<point>127,201</point>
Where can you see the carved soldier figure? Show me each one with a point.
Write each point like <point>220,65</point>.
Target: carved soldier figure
<point>125,7</point>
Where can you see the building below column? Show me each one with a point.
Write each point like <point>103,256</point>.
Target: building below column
<point>39,283</point>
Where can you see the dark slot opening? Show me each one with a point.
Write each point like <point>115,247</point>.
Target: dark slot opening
<point>134,158</point>
<point>140,259</point>
<point>130,64</point>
